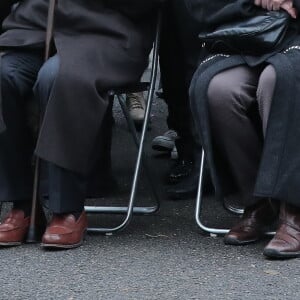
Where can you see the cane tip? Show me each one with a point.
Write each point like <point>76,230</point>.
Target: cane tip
<point>32,236</point>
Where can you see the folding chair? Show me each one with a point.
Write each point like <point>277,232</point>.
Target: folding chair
<point>130,209</point>
<point>198,210</point>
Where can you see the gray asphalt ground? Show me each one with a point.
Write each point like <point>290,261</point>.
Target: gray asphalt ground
<point>164,256</point>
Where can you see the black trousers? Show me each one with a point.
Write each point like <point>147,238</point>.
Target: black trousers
<point>25,76</point>
<point>179,54</point>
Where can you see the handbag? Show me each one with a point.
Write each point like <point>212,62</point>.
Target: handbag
<point>256,35</point>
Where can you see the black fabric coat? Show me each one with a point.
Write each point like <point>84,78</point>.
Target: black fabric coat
<point>279,172</point>
<point>102,44</point>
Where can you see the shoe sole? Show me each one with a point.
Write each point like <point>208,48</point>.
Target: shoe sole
<point>10,244</point>
<point>274,254</point>
<point>234,242</point>
<point>163,145</point>
<point>60,246</point>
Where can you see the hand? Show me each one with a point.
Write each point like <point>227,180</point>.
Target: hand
<point>269,4</point>
<point>286,5</point>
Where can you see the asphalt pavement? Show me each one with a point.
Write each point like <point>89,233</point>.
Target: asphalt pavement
<point>164,256</point>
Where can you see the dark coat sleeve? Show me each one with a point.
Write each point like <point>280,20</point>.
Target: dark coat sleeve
<point>210,14</point>
<point>5,8</point>
<point>297,5</point>
<point>133,8</point>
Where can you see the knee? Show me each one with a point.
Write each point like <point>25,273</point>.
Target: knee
<point>9,75</point>
<point>266,82</point>
<point>268,76</point>
<point>47,76</point>
<point>220,93</point>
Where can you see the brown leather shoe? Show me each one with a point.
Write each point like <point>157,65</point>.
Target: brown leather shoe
<point>286,242</point>
<point>253,224</point>
<point>14,228</point>
<point>65,232</point>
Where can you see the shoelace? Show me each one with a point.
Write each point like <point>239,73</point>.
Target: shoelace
<point>134,102</point>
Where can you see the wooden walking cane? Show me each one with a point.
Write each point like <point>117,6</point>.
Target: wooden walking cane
<point>34,232</point>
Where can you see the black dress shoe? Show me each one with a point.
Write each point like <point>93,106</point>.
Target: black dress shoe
<point>180,170</point>
<point>185,189</point>
<point>255,221</point>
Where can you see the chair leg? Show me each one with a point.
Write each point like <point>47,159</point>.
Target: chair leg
<point>137,143</point>
<point>199,203</point>
<point>199,199</point>
<point>130,209</point>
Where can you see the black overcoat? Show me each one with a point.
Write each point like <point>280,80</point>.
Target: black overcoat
<point>279,172</point>
<point>102,44</point>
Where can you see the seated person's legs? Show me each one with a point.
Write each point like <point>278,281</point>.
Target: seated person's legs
<point>286,242</point>
<point>18,73</point>
<point>179,46</point>
<point>92,62</point>
<point>233,108</point>
<point>66,189</point>
<point>237,139</point>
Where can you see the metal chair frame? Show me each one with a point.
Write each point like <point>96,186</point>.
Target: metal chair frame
<point>199,199</point>
<point>130,209</point>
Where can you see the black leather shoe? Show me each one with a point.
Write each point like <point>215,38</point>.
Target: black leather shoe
<point>252,226</point>
<point>186,188</point>
<point>181,170</point>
